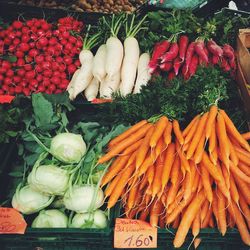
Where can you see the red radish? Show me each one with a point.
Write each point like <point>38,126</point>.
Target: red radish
<point>23,84</point>
<point>171,75</point>
<point>39,59</point>
<point>30,74</point>
<point>183,44</point>
<point>43,41</point>
<point>68,60</point>
<point>17,24</point>
<point>215,59</point>
<point>27,67</point>
<point>20,62</point>
<point>224,64</point>
<point>72,68</point>
<point>39,78</point>
<point>12,48</point>
<point>177,64</point>
<point>7,81</point>
<point>20,72</point>
<point>26,91</point>
<point>6,65</point>
<point>232,64</point>
<point>39,68</point>
<point>40,88</point>
<point>18,89</point>
<point>28,59</point>
<point>201,60</point>
<point>18,33</point>
<point>33,52</point>
<point>33,83</point>
<point>214,48</point>
<point>24,47</point>
<point>193,65</point>
<point>199,49</point>
<point>53,41</point>
<point>166,66</point>
<point>16,41</point>
<point>19,54</point>
<point>171,54</point>
<point>10,73</point>
<point>189,55</point>
<point>55,80</point>
<point>228,51</point>
<point>47,73</point>
<point>25,30</point>
<point>159,50</point>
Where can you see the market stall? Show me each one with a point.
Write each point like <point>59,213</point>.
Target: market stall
<point>125,130</point>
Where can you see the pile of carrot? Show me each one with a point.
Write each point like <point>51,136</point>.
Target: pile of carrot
<point>183,57</point>
<point>190,179</point>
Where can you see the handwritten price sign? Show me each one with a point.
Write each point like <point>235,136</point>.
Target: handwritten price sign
<point>134,234</point>
<point>11,221</point>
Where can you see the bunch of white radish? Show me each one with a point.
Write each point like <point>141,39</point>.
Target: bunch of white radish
<point>116,66</point>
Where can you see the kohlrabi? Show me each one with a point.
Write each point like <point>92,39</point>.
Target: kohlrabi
<point>96,219</point>
<point>68,147</point>
<point>83,198</point>
<point>29,201</point>
<point>49,179</point>
<point>52,218</point>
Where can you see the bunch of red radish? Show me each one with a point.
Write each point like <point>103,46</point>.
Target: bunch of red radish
<point>185,57</point>
<point>44,55</point>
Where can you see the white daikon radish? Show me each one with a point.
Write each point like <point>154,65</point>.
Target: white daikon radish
<point>110,85</point>
<point>143,75</point>
<point>99,71</point>
<point>131,56</point>
<point>69,88</point>
<point>91,91</point>
<point>129,65</point>
<point>114,53</point>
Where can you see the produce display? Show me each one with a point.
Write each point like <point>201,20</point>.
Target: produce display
<point>106,6</point>
<point>136,116</point>
<point>37,56</point>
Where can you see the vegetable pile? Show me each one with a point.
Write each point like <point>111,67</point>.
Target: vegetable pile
<point>184,57</point>
<point>195,178</point>
<point>37,56</point>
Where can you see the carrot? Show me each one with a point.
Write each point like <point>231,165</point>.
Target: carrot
<point>190,125</point>
<point>214,156</point>
<point>212,139</point>
<point>222,223</point>
<point>144,214</point>
<point>155,211</point>
<point>245,210</point>
<point>239,220</point>
<point>188,218</point>
<point>177,132</point>
<point>188,182</point>
<point>127,133</point>
<point>197,242</point>
<point>234,132</point>
<point>210,120</point>
<point>111,186</point>
<point>175,171</point>
<point>197,136</point>
<point>150,159</point>
<point>120,186</point>
<point>114,169</point>
<point>237,172</point>
<point>150,174</point>
<point>231,220</point>
<point>173,192</point>
<point>160,147</point>
<point>167,133</point>
<point>226,175</point>
<point>233,156</point>
<point>196,225</point>
<point>213,171</point>
<point>243,157</point>
<point>215,206</point>
<point>223,139</point>
<point>132,148</point>
<point>176,222</point>
<point>162,221</point>
<point>211,222</point>
<point>196,182</point>
<point>244,188</point>
<point>244,168</point>
<point>160,126</point>
<point>206,183</point>
<point>183,158</point>
<point>233,190</point>
<point>199,150</point>
<point>167,165</point>
<point>192,130</point>
<point>125,143</point>
<point>246,136</point>
<point>204,210</point>
<point>144,147</point>
<point>157,182</point>
<point>208,215</point>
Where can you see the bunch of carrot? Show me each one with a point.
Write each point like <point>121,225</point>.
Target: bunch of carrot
<point>182,56</point>
<point>195,178</point>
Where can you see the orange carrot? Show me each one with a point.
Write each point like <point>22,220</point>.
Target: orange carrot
<point>160,126</point>
<point>144,147</point>
<point>188,182</point>
<point>206,183</point>
<point>237,172</point>
<point>173,191</point>
<point>189,136</point>
<point>160,147</point>
<point>196,182</point>
<point>245,210</point>
<point>144,182</point>
<point>183,158</point>
<point>177,132</point>
<point>144,214</point>
<point>167,165</point>
<point>244,188</point>
<point>112,186</point>
<point>234,132</point>
<point>243,157</point>
<point>244,168</point>
<point>133,192</point>
<point>190,125</point>
<point>231,221</point>
<point>211,222</point>
<point>120,186</point>
<point>213,171</point>
<point>246,135</point>
<point>176,222</point>
<point>222,223</point>
<point>150,174</point>
<point>125,143</point>
<point>226,175</point>
<point>199,150</point>
<point>210,120</point>
<point>197,242</point>
<point>212,139</point>
<point>155,211</point>
<point>214,156</point>
<point>115,168</point>
<point>150,159</point>
<point>187,219</point>
<point>132,148</point>
<point>239,220</point>
<point>127,133</point>
<point>175,171</point>
<point>196,225</point>
<point>204,210</point>
<point>167,135</point>
<point>215,206</point>
<point>223,139</point>
<point>197,136</point>
<point>208,215</point>
<point>233,190</point>
<point>157,183</point>
<point>233,156</point>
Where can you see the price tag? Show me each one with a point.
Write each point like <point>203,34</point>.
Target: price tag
<point>11,221</point>
<point>134,234</point>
